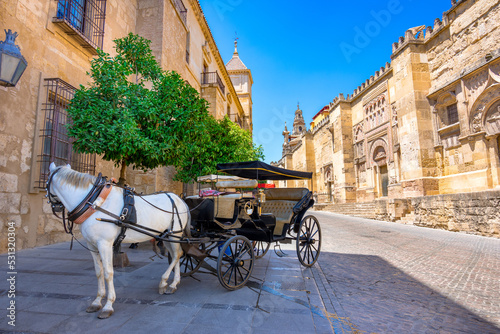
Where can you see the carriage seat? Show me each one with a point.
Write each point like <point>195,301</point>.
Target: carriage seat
<point>224,205</point>
<point>280,202</point>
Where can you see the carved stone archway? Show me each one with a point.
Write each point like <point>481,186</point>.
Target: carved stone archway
<point>379,151</point>
<point>485,113</point>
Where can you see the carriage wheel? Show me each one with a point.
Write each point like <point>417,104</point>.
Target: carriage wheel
<point>189,264</point>
<point>308,241</point>
<point>260,248</point>
<point>235,262</point>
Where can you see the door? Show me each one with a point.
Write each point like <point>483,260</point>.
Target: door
<point>384,178</point>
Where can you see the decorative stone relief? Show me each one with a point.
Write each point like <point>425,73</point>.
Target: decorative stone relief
<point>379,154</point>
<point>494,72</point>
<point>476,84</point>
<point>376,112</point>
<point>485,111</point>
<point>359,149</point>
<point>492,122</point>
<point>477,125</point>
<point>358,132</point>
<point>379,150</point>
<point>394,115</point>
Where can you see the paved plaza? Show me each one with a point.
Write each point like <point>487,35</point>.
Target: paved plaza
<point>391,278</point>
<point>372,277</point>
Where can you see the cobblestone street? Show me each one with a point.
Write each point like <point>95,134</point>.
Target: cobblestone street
<point>371,277</point>
<point>391,278</point>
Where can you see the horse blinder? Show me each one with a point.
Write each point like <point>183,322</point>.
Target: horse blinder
<point>53,200</point>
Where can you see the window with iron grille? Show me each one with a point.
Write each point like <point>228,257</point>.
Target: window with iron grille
<point>56,146</point>
<point>452,112</point>
<point>83,19</point>
<point>179,5</point>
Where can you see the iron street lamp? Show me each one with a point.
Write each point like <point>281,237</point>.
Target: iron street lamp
<point>12,63</point>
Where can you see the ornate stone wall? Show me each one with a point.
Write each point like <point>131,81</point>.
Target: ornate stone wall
<point>426,124</point>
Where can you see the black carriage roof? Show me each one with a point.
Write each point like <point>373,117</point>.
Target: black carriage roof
<point>258,170</point>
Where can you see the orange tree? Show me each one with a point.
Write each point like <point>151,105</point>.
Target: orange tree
<point>134,113</point>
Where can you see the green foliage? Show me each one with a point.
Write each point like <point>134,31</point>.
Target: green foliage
<point>136,114</point>
<point>221,141</point>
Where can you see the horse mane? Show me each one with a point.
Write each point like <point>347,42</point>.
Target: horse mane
<point>74,178</point>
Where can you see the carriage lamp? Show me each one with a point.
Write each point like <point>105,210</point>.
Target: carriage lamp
<point>262,199</point>
<point>12,63</point>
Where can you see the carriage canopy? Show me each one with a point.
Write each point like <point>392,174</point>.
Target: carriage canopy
<point>259,170</point>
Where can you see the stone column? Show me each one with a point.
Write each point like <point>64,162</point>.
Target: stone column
<point>376,181</point>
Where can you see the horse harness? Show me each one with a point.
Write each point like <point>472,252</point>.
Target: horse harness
<point>100,191</point>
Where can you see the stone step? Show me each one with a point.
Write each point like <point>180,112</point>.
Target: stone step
<point>408,219</point>
<point>365,210</point>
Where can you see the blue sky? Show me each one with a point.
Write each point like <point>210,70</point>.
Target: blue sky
<point>309,51</point>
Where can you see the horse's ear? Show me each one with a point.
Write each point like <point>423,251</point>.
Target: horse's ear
<point>68,165</point>
<point>52,167</point>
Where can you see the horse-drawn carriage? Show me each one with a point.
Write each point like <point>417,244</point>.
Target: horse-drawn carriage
<point>240,220</point>
<point>247,219</point>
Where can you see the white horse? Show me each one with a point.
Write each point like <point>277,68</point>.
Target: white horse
<point>72,187</point>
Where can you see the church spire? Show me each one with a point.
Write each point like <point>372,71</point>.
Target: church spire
<point>235,43</point>
<point>235,63</point>
<point>299,126</point>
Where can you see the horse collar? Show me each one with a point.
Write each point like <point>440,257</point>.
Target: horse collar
<point>85,209</point>
<point>88,209</point>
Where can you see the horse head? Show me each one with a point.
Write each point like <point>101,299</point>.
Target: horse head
<point>67,187</point>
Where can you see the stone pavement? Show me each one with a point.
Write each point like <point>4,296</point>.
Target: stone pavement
<point>392,278</point>
<point>371,277</point>
<point>54,286</point>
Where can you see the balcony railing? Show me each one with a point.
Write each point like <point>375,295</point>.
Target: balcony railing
<point>212,78</point>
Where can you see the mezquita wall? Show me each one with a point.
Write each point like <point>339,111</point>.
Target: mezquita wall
<point>425,124</point>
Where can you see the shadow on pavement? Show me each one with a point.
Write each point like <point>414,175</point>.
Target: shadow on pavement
<point>378,297</point>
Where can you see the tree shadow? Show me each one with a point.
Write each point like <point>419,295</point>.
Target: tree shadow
<point>378,297</point>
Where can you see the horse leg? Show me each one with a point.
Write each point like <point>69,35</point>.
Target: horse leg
<point>175,252</point>
<point>106,251</point>
<point>101,287</point>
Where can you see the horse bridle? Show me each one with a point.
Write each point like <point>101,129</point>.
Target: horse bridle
<point>58,207</point>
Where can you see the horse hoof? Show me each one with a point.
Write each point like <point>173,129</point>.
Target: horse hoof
<point>93,308</point>
<point>170,290</point>
<point>105,314</point>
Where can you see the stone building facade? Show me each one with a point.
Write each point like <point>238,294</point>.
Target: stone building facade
<point>59,39</point>
<point>425,124</point>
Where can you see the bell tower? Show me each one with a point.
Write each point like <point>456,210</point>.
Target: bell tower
<point>299,126</point>
<point>241,77</point>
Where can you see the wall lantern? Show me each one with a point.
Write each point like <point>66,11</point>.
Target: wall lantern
<point>12,63</point>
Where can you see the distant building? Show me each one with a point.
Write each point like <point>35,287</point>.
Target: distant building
<point>59,39</point>
<point>428,123</point>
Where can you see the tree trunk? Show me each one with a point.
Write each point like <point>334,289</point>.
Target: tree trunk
<point>123,170</point>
